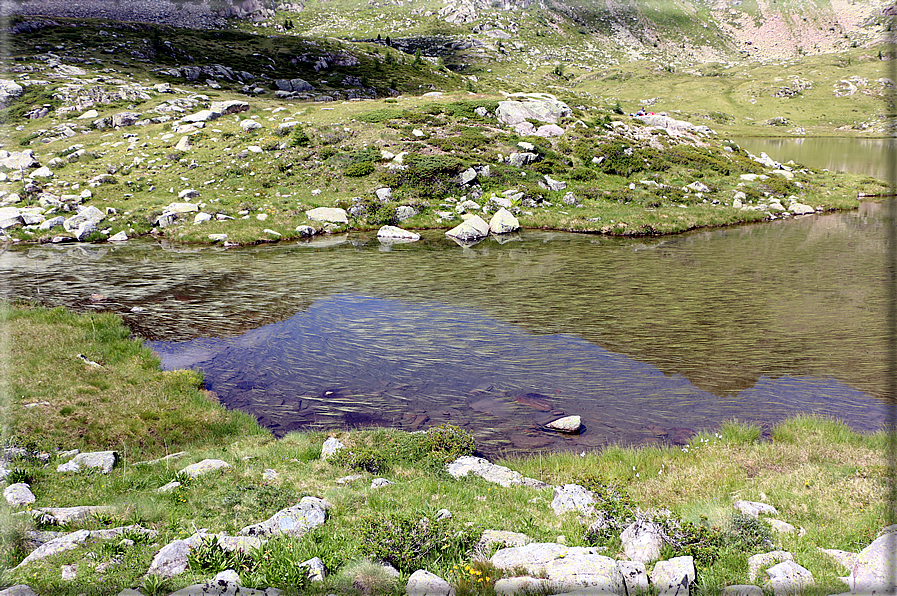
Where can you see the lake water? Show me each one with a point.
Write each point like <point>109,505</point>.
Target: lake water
<point>646,339</point>
<point>858,156</point>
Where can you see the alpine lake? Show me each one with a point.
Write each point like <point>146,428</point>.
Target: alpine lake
<point>648,340</point>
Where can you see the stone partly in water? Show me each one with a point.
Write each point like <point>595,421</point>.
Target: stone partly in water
<point>567,424</point>
<point>470,230</point>
<point>503,222</point>
<point>394,233</point>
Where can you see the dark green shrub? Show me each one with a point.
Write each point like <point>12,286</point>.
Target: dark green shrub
<point>582,174</point>
<point>620,159</point>
<point>381,115</point>
<point>357,170</point>
<point>299,137</point>
<point>17,475</point>
<point>409,543</point>
<point>447,441</point>
<point>360,458</point>
<point>748,533</point>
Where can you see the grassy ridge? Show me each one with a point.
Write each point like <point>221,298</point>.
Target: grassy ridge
<point>820,475</point>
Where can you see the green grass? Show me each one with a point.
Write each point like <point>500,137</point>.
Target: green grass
<point>820,475</point>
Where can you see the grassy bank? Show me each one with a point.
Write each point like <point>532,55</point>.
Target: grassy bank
<point>819,474</point>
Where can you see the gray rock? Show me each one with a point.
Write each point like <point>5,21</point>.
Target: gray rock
<point>501,538</point>
<point>103,461</point>
<point>310,513</point>
<point>443,514</point>
<point>789,578</point>
<point>424,583</point>
<point>572,497</point>
<point>121,236</point>
<point>316,569</point>
<point>305,231</point>
<point>801,209</point>
<point>642,541</point>
<point>757,562</point>
<point>171,560</point>
<point>471,229</point>
<point>503,222</point>
<point>674,577</point>
<point>232,106</point>
<point>519,160</point>
<point>671,124</point>
<point>9,89</point>
<point>43,172</point>
<point>781,527</point>
<point>110,533</point>
<point>67,515</point>
<point>57,545</point>
<point>567,424</point>
<point>697,186</point>
<point>635,577</point>
<point>742,590</point>
<point>565,567</point>
<point>755,509</point>
<point>548,130</point>
<point>270,474</point>
<point>380,482</point>
<point>249,125</point>
<point>125,119</point>
<point>69,572</point>
<point>405,212</point>
<point>18,160</point>
<point>531,106</point>
<point>167,488</point>
<point>10,217</point>
<point>18,590</point>
<point>555,185</point>
<point>204,467</point>
<point>467,176</point>
<point>183,144</point>
<point>230,576</point>
<point>511,586</point>
<point>394,233</point>
<point>874,566</point>
<point>331,446</point>
<point>467,205</point>
<point>384,194</point>
<point>328,214</point>
<point>490,472</point>
<point>201,217</point>
<point>18,494</point>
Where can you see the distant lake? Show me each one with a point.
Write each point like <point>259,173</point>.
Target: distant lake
<point>856,156</point>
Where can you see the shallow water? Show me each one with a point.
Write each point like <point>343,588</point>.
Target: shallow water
<point>645,339</point>
<point>838,154</point>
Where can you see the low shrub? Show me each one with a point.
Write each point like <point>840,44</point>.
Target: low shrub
<point>360,169</point>
<point>409,543</point>
<point>299,137</point>
<point>582,174</point>
<point>381,115</point>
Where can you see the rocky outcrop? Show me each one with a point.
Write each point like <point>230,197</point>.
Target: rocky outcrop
<point>566,568</point>
<point>294,521</point>
<point>541,107</point>
<point>490,472</point>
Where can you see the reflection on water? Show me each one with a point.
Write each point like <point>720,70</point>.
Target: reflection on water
<point>856,156</point>
<point>671,333</point>
<point>350,360</point>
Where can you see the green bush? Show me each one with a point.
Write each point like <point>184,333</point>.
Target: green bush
<point>299,137</point>
<point>582,174</point>
<point>622,160</point>
<point>409,543</point>
<point>357,170</point>
<point>360,458</point>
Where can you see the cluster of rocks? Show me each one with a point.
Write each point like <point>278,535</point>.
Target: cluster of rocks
<point>545,567</point>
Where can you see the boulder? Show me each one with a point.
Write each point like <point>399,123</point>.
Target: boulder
<point>642,541</point>
<point>10,217</point>
<point>384,194</point>
<point>471,229</point>
<point>668,123</point>
<point>125,119</point>
<point>501,538</point>
<point>572,497</point>
<point>171,560</point>
<point>183,144</point>
<point>674,577</point>
<point>328,214</point>
<point>542,107</point>
<point>518,160</point>
<point>18,160</point>
<point>565,567</point>
<point>405,212</point>
<point>232,106</point>
<point>18,494</point>
<point>873,567</point>
<point>490,472</point>
<point>503,222</point>
<point>18,590</point>
<point>788,578</point>
<point>331,446</point>
<point>295,521</point>
<point>567,424</point>
<point>467,176</point>
<point>102,461</point>
<point>57,545</point>
<point>635,577</point>
<point>204,467</point>
<point>394,233</point>
<point>548,130</point>
<point>755,509</point>
<point>380,482</point>
<point>248,125</point>
<point>424,583</point>
<point>758,562</point>
<point>553,184</point>
<point>512,586</point>
<point>8,90</point>
<point>67,515</point>
<point>317,571</point>
<point>43,172</point>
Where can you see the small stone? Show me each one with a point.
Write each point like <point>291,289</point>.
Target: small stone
<point>789,578</point>
<point>204,467</point>
<point>18,495</point>
<point>380,482</point>
<point>424,583</point>
<point>331,446</point>
<point>755,509</point>
<point>567,424</point>
<point>69,572</point>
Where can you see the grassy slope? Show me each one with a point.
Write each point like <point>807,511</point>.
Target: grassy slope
<point>820,476</point>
